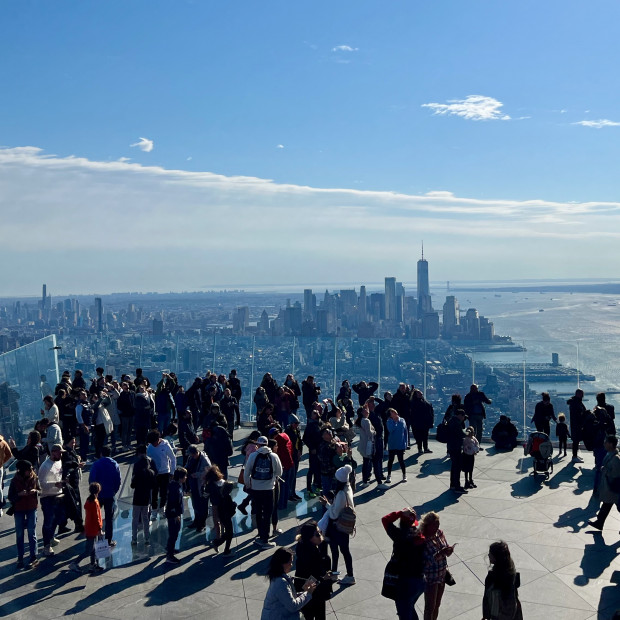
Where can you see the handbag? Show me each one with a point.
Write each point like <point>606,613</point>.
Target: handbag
<point>449,579</point>
<point>102,549</point>
<point>241,478</point>
<point>389,589</point>
<point>442,432</point>
<point>345,523</point>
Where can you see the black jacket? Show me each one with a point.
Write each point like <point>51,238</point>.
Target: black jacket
<point>143,480</point>
<point>455,434</point>
<point>364,393</point>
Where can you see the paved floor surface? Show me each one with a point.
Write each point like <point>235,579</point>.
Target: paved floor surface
<point>568,570</point>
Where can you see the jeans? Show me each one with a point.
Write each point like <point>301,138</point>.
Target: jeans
<point>160,491</point>
<point>285,489</point>
<point>409,591</point>
<point>1,486</point>
<point>163,422</point>
<point>126,427</point>
<point>26,520</point>
<point>174,527</point>
<point>141,433</point>
<point>314,472</point>
<point>141,515</point>
<point>377,459</point>
<point>88,550</point>
<point>53,514</point>
<point>262,504</point>
<point>108,504</point>
<point>326,483</point>
<point>575,433</point>
<point>421,438</point>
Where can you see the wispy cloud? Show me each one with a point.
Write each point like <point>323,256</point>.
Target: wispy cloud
<point>144,144</point>
<point>345,48</point>
<point>279,146</point>
<point>599,124</point>
<point>473,108</point>
<point>174,206</point>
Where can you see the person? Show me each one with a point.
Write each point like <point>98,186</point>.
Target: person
<point>309,394</point>
<point>474,408</point>
<point>52,497</point>
<point>165,406</point>
<point>84,418</point>
<point>313,561</point>
<point>327,453</point>
<point>505,434</point>
<point>197,464</point>
<point>262,470</point>
<point>312,440</point>
<point>234,385</point>
<point>292,430</point>
<point>401,401</point>
<point>107,473</point>
<point>398,440</point>
<point>5,456</point>
<point>50,410</point>
<point>340,425</point>
<point>339,541</point>
<point>218,446</point>
<point>436,554</point>
<point>576,412</point>
<point>422,420</point>
<point>373,403</point>
<point>345,391</point>
<point>285,454</point>
<point>609,488</point>
<point>187,433</point>
<point>23,494</point>
<point>164,460</point>
<point>144,410</point>
<point>471,447</point>
<point>562,433</point>
<point>33,451</point>
<point>125,405</point>
<point>102,421</point>
<point>456,435</point>
<point>219,491</point>
<point>282,601</point>
<point>248,447</point>
<point>601,402</point>
<point>408,556</point>
<point>72,474</point>
<point>365,390</point>
<point>66,407</point>
<point>174,512</point>
<point>53,434</point>
<point>229,406</point>
<point>501,599</point>
<point>543,414</point>
<point>93,525</point>
<point>260,399</point>
<point>142,482</point>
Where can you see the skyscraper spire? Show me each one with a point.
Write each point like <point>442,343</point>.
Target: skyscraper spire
<point>422,250</point>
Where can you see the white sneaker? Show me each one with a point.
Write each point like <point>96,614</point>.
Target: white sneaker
<point>55,542</point>
<point>388,480</point>
<point>349,580</point>
<point>48,552</point>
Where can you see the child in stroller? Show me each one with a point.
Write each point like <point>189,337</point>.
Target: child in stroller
<point>540,449</point>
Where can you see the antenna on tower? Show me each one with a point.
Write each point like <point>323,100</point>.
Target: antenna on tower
<point>422,250</point>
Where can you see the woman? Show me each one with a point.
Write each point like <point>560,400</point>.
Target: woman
<point>341,426</point>
<point>282,601</point>
<point>408,557</point>
<point>249,447</point>
<point>265,420</point>
<point>436,552</point>
<point>366,445</point>
<point>223,507</point>
<point>501,600</point>
<point>23,493</point>
<point>339,541</point>
<point>398,439</point>
<point>33,451</point>
<point>313,561</point>
<point>260,399</point>
<point>50,410</point>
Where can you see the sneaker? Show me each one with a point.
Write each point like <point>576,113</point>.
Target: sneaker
<point>267,545</point>
<point>79,528</point>
<point>48,552</point>
<point>473,485</point>
<point>388,480</point>
<point>34,562</point>
<point>112,543</point>
<point>172,559</point>
<point>382,485</point>
<point>577,459</point>
<point>312,494</point>
<point>64,529</point>
<point>75,568</point>
<point>200,530</point>
<point>95,568</point>
<point>349,580</point>
<point>277,531</point>
<point>595,524</point>
<point>20,564</point>
<point>404,478</point>
<point>228,554</point>
<point>458,489</point>
<point>55,542</point>
<point>427,451</point>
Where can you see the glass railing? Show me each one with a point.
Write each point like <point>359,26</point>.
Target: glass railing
<point>27,374</point>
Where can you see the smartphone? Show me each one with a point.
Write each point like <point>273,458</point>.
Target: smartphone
<point>335,573</point>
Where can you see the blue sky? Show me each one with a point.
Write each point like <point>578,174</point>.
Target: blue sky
<point>510,109</point>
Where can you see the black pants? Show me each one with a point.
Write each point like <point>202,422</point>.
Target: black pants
<point>314,610</point>
<point>141,433</point>
<point>100,439</point>
<point>227,531</point>
<point>603,513</point>
<point>421,438</point>
<point>339,543</point>
<point>262,504</point>
<point>69,428</point>
<point>399,454</point>
<point>562,443</point>
<point>575,433</point>
<point>314,472</point>
<point>455,468</point>
<point>160,491</point>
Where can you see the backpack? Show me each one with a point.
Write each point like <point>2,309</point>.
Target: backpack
<point>263,467</point>
<point>442,432</point>
<point>345,523</point>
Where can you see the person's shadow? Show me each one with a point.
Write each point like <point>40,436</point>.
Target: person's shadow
<point>610,599</point>
<point>596,558</point>
<point>578,518</point>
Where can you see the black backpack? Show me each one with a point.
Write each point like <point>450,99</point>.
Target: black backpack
<point>263,467</point>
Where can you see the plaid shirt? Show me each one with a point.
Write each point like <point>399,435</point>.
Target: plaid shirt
<point>435,567</point>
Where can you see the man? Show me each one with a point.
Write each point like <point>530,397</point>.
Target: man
<point>292,430</point>
<point>577,412</point>
<point>197,464</point>
<point>52,497</point>
<point>53,434</point>
<point>66,409</point>
<point>174,512</point>
<point>455,435</point>
<point>235,388</point>
<point>474,409</point>
<point>84,418</point>
<point>543,414</point>
<point>107,473</point>
<point>309,394</point>
<point>312,439</point>
<point>164,403</point>
<point>611,411</point>
<point>229,406</point>
<point>377,422</point>
<point>126,409</point>
<point>365,390</point>
<point>327,453</point>
<point>609,490</point>
<point>505,434</point>
<point>422,420</point>
<point>144,408</point>
<point>218,446</point>
<point>262,470</point>
<point>164,460</point>
<point>285,454</point>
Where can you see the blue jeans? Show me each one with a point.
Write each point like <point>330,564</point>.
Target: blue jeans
<point>285,488</point>
<point>108,504</point>
<point>53,515</point>
<point>26,520</point>
<point>410,590</point>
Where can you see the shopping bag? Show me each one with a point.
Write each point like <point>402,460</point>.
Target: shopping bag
<point>102,549</point>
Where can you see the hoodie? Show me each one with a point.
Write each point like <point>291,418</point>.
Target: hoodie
<point>263,485</point>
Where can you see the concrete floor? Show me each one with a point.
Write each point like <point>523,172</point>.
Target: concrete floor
<point>568,570</point>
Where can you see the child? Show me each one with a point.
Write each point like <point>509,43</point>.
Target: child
<point>92,530</point>
<point>501,598</point>
<point>142,483</point>
<point>224,508</point>
<point>174,511</point>
<point>471,447</point>
<point>562,433</point>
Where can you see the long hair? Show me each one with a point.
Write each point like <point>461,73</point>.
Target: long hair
<point>307,532</point>
<point>280,557</point>
<point>503,569</point>
<point>358,420</point>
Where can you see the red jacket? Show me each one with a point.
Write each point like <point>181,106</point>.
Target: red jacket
<point>285,450</point>
<point>92,520</point>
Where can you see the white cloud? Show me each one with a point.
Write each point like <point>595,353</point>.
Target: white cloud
<point>124,159</point>
<point>188,158</point>
<point>603,122</point>
<point>473,108</point>
<point>345,48</point>
<point>144,144</point>
<point>280,146</point>
<point>175,207</point>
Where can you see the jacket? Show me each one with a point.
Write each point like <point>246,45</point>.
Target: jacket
<point>163,456</point>
<point>107,473</point>
<point>285,450</point>
<point>22,483</point>
<point>398,434</point>
<point>143,481</point>
<point>364,393</point>
<point>174,505</point>
<point>576,410</point>
<point>422,414</point>
<point>326,453</point>
<point>408,548</point>
<point>92,519</point>
<point>50,473</point>
<point>366,444</point>
<point>610,470</point>
<point>310,393</point>
<point>312,434</point>
<point>474,404</point>
<point>313,561</point>
<point>282,601</point>
<point>543,412</point>
<point>262,485</point>
<point>455,435</point>
<point>218,446</point>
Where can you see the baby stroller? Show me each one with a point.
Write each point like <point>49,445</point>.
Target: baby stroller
<point>540,449</point>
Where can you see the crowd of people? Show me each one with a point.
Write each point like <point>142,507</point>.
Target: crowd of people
<point>86,426</point>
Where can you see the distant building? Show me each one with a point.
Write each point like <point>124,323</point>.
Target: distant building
<point>451,316</point>
<point>158,328</point>
<point>423,290</point>
<point>99,314</point>
<point>390,299</point>
<point>241,320</point>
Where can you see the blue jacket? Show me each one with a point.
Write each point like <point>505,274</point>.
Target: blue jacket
<point>398,434</point>
<point>107,473</point>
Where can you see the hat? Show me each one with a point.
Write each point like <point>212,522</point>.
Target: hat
<point>293,419</point>
<point>57,447</point>
<point>342,474</point>
<point>274,430</point>
<point>262,441</point>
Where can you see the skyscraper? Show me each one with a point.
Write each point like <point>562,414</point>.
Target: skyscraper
<point>451,316</point>
<point>424,291</point>
<point>99,314</point>
<point>361,306</point>
<point>390,299</point>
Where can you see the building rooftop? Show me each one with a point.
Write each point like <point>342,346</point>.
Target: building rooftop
<point>568,570</point>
